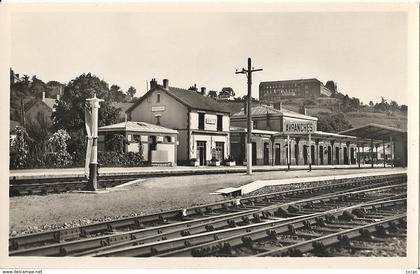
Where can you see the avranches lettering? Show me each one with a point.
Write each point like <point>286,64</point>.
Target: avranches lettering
<point>299,127</point>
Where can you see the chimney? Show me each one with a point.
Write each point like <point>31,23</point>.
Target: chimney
<point>203,91</point>
<point>165,83</point>
<point>153,83</point>
<point>43,96</point>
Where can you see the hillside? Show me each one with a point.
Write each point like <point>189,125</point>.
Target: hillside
<point>327,106</point>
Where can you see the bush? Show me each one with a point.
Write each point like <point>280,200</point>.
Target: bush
<point>114,159</point>
<point>19,149</point>
<point>59,157</point>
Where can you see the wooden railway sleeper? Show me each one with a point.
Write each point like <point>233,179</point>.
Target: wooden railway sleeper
<point>272,234</point>
<point>248,242</point>
<point>68,234</point>
<point>281,212</point>
<point>293,252</point>
<point>346,216</point>
<point>185,232</point>
<point>320,221</point>
<point>319,247</point>
<point>256,218</point>
<point>381,231</point>
<point>344,240</point>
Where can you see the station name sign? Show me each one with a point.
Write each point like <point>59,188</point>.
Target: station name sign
<point>158,108</point>
<point>211,121</point>
<point>299,127</point>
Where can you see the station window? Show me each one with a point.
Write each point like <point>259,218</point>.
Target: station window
<point>201,120</point>
<point>168,139</point>
<point>219,122</point>
<point>158,98</point>
<point>136,138</point>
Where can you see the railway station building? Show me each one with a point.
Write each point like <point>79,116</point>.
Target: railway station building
<point>275,131</point>
<point>201,122</point>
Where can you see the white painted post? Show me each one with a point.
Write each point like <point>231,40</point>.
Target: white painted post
<point>93,164</point>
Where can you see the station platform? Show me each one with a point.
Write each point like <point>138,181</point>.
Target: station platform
<point>247,188</point>
<point>32,174</point>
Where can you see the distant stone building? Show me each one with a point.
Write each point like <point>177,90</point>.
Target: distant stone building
<point>274,91</point>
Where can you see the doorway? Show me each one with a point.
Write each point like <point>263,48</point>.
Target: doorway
<point>277,149</point>
<point>201,152</point>
<point>352,158</point>
<point>337,155</point>
<point>346,156</point>
<point>321,155</point>
<point>329,155</point>
<point>312,154</point>
<point>305,154</point>
<point>254,154</point>
<point>266,154</point>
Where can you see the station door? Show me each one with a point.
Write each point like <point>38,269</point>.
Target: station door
<point>201,152</point>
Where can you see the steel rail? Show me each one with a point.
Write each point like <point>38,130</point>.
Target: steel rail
<point>163,232</point>
<point>239,236</point>
<point>190,240</point>
<point>84,231</point>
<point>344,236</point>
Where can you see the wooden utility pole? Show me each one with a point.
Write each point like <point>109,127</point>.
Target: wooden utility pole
<point>248,73</point>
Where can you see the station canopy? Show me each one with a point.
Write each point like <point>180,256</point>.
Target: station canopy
<point>375,132</point>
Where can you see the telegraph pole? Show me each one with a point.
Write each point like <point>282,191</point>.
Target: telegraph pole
<point>248,73</point>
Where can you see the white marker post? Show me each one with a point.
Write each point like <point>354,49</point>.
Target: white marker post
<point>92,149</point>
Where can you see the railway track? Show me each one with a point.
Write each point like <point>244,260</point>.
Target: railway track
<point>158,233</point>
<point>42,186</point>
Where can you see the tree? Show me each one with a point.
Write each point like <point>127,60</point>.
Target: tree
<point>70,110</point>
<point>226,93</point>
<point>212,94</point>
<point>333,123</point>
<point>404,108</point>
<point>39,131</point>
<point>37,87</point>
<point>116,94</point>
<point>371,103</point>
<point>131,92</point>
<point>394,106</point>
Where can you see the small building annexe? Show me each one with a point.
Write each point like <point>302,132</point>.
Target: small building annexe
<point>202,124</point>
<point>158,144</point>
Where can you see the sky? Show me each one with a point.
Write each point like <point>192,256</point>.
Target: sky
<point>364,52</point>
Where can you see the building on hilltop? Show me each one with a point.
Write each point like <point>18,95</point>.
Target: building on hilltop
<point>273,92</point>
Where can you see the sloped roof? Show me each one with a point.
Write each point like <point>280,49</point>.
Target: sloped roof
<point>258,131</point>
<point>195,100</point>
<point>375,131</point>
<point>137,127</point>
<point>192,99</point>
<point>262,109</point>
